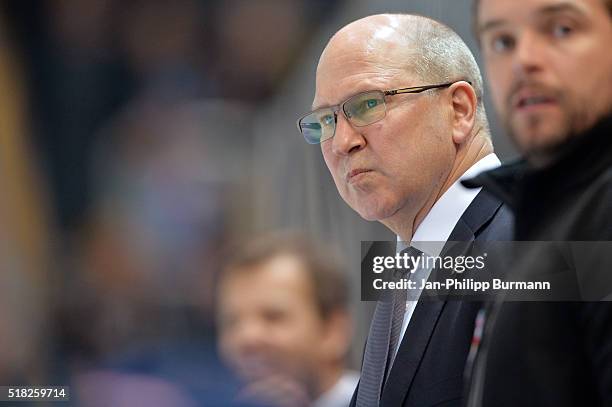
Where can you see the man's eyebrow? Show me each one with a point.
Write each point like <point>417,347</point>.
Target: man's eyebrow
<point>314,107</point>
<point>317,106</point>
<point>490,25</point>
<point>325,105</point>
<point>345,97</point>
<point>561,8</point>
<point>546,10</point>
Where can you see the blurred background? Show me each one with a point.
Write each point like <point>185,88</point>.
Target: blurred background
<point>138,139</point>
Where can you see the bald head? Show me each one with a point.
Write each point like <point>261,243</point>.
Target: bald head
<point>394,45</point>
<point>378,39</point>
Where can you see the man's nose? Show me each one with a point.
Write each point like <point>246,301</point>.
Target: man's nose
<point>347,139</point>
<point>251,336</point>
<point>528,54</point>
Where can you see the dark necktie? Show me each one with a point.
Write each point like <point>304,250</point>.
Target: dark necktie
<point>385,331</point>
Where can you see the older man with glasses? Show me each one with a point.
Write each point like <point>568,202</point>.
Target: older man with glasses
<point>399,116</point>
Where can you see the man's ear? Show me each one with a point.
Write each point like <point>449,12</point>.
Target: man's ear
<point>464,110</point>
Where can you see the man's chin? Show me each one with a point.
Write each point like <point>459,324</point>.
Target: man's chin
<point>539,140</point>
<point>368,215</point>
<point>375,212</point>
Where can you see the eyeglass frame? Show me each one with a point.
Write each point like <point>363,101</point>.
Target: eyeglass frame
<point>340,107</point>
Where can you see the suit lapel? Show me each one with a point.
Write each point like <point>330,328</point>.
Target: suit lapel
<point>412,350</point>
<point>427,313</point>
<point>477,216</point>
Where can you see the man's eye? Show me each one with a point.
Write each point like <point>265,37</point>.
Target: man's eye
<point>274,316</point>
<point>561,30</point>
<point>365,105</point>
<point>327,120</point>
<point>370,103</point>
<point>502,43</point>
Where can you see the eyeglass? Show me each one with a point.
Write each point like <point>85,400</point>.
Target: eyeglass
<point>360,110</point>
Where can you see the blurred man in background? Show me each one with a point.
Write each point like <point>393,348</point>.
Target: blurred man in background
<point>551,78</point>
<point>284,324</point>
<point>399,115</point>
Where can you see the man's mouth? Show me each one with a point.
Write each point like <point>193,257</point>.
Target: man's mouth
<point>530,99</point>
<point>355,174</point>
<point>534,100</point>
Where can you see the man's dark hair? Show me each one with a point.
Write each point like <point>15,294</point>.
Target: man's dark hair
<point>328,278</point>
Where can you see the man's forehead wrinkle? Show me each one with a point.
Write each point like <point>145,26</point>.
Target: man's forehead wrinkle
<point>381,53</point>
<point>365,74</point>
<point>371,77</point>
<point>340,62</point>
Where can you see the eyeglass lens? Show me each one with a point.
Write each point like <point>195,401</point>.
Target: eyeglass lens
<point>362,109</point>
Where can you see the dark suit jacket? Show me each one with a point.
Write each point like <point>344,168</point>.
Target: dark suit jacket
<point>428,368</point>
<point>553,354</point>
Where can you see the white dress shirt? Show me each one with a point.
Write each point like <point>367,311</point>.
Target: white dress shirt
<point>340,395</point>
<point>435,229</point>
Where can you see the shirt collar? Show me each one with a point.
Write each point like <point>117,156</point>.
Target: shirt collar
<point>436,227</point>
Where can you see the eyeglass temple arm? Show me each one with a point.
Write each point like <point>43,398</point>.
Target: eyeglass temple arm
<point>418,89</point>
